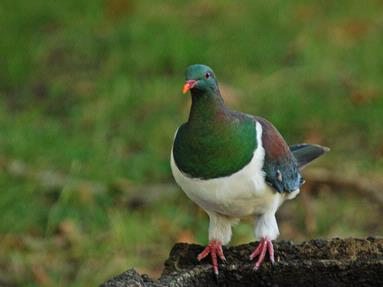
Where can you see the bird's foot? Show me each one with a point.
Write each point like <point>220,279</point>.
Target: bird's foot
<point>264,245</point>
<point>214,248</point>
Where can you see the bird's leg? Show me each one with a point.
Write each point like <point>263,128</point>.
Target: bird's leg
<point>264,245</point>
<point>219,234</point>
<point>214,248</point>
<point>266,229</point>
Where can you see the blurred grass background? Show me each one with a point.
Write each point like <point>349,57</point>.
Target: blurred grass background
<point>90,99</point>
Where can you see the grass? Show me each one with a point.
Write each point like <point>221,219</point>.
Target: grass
<point>91,90</point>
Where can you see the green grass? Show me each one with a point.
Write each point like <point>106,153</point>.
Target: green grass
<point>91,90</point>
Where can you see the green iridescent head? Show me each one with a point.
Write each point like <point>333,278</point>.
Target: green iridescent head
<point>200,78</point>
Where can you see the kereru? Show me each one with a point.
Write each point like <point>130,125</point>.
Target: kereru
<point>233,165</point>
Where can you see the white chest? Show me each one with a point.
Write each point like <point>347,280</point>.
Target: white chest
<point>240,194</point>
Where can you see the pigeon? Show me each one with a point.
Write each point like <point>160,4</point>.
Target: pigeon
<point>233,165</point>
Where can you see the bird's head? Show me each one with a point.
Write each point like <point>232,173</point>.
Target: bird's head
<point>201,78</point>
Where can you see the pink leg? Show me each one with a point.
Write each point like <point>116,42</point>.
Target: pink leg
<point>214,248</point>
<point>264,245</point>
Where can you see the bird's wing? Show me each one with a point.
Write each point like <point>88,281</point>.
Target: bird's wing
<point>280,165</point>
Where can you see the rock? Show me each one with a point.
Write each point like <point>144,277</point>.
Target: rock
<point>336,262</point>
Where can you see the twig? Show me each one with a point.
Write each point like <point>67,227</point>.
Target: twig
<point>368,186</point>
<point>365,185</point>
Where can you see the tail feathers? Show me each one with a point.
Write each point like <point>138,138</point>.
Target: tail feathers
<point>306,153</point>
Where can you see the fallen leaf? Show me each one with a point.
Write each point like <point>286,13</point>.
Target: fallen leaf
<point>185,236</point>
<point>41,276</point>
<point>69,230</point>
<point>360,97</point>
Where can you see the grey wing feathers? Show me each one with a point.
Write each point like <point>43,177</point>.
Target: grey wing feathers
<point>306,153</point>
<point>280,165</point>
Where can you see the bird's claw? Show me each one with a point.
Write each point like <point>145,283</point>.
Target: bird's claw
<point>264,245</point>
<point>214,248</point>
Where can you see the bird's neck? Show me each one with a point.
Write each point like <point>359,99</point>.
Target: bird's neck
<point>215,142</point>
<point>207,109</point>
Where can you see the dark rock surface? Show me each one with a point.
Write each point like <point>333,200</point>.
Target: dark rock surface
<point>336,262</point>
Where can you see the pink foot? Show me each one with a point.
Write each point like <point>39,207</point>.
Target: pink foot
<point>214,248</point>
<point>264,245</point>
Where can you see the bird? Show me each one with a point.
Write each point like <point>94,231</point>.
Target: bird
<point>234,165</point>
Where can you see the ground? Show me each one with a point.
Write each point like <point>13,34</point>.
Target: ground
<point>336,262</point>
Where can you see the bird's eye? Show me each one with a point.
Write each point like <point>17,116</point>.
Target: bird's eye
<point>207,75</point>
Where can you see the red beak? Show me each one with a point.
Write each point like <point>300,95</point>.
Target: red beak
<point>188,86</point>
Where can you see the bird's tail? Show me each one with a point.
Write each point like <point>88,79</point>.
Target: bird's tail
<point>306,153</point>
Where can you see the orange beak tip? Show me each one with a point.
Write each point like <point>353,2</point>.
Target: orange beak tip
<point>188,86</point>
